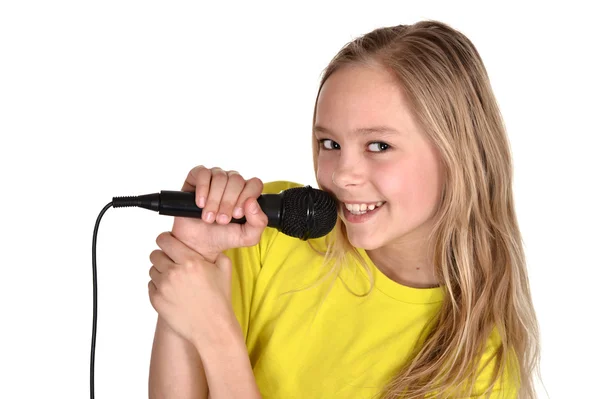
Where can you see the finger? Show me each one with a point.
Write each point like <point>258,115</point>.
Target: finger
<point>233,189</point>
<point>217,187</point>
<point>155,275</point>
<point>180,253</point>
<point>256,221</point>
<point>160,260</point>
<point>252,189</point>
<point>198,181</point>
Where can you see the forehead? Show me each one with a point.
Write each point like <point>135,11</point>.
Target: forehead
<point>356,97</point>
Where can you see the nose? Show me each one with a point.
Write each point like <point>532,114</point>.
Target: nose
<point>349,172</point>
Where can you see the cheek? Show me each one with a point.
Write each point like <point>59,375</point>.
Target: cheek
<point>324,172</point>
<point>422,187</point>
<point>412,184</point>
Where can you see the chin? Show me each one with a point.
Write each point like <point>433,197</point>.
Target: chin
<point>365,242</point>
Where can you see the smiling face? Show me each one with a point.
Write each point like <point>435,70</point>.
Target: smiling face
<point>375,159</point>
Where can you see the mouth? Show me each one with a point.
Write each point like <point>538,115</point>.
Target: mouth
<point>357,208</point>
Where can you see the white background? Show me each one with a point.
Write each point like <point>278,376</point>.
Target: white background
<point>113,98</point>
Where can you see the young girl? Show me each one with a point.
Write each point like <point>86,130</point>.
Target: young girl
<point>421,290</point>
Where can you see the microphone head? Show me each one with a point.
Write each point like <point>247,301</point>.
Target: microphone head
<point>307,212</point>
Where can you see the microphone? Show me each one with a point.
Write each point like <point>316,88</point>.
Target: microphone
<point>300,212</point>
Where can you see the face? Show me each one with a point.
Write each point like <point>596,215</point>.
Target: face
<point>374,158</point>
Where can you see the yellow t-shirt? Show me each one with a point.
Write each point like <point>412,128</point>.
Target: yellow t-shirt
<point>303,347</point>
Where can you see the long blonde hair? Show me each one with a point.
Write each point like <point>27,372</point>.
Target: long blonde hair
<point>476,242</point>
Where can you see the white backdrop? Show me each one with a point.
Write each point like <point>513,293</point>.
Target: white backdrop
<point>114,98</point>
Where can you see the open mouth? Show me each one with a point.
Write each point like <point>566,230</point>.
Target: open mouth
<point>361,209</point>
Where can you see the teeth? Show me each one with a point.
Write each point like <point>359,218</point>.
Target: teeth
<point>360,209</point>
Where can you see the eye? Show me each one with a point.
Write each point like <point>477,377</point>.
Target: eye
<point>378,146</point>
<point>329,144</point>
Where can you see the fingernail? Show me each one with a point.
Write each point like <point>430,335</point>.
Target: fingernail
<point>238,212</point>
<point>201,202</point>
<point>222,218</point>
<point>254,207</point>
<point>210,216</point>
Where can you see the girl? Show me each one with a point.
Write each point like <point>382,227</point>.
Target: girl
<point>421,290</point>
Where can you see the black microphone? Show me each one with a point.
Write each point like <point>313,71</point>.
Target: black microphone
<point>301,212</point>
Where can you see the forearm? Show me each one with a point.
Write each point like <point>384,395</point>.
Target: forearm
<point>227,366</point>
<point>176,371</point>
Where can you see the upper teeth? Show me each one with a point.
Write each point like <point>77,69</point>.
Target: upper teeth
<point>362,207</point>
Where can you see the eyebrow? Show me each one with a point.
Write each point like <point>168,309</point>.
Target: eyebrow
<point>365,130</point>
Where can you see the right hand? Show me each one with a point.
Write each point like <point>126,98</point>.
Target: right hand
<point>226,195</point>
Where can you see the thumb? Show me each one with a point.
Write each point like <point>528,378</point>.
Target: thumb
<point>256,221</point>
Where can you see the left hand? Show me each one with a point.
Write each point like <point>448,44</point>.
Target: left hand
<point>190,293</point>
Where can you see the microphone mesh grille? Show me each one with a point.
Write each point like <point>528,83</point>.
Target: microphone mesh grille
<point>295,221</point>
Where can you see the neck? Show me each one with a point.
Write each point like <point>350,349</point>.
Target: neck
<point>406,263</point>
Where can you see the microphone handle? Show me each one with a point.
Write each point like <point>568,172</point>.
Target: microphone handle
<point>183,204</point>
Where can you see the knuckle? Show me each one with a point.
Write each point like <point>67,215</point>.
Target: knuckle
<point>201,175</point>
<point>226,205</point>
<point>263,221</point>
<point>172,269</point>
<point>249,241</point>
<point>219,176</point>
<point>154,254</point>
<point>187,264</point>
<point>204,173</point>
<point>172,273</point>
<point>218,171</point>
<point>197,170</point>
<point>162,237</point>
<point>192,263</point>
<point>237,178</point>
<point>255,180</point>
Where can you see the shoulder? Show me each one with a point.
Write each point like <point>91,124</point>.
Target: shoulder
<point>508,383</point>
<point>277,186</point>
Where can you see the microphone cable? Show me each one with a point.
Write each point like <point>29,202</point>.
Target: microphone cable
<point>95,300</point>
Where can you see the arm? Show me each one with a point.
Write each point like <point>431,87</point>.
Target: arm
<point>176,371</point>
<point>228,368</point>
<point>177,366</point>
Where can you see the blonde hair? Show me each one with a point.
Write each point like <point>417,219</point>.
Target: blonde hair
<point>476,242</point>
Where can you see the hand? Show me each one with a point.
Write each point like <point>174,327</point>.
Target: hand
<point>222,195</point>
<point>191,294</point>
